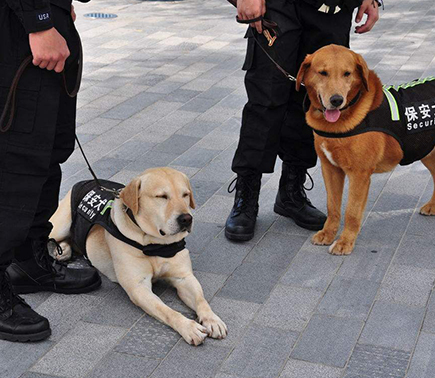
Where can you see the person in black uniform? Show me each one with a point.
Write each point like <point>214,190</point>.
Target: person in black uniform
<point>41,137</point>
<point>273,121</point>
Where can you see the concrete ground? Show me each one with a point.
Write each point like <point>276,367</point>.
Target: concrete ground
<point>163,86</point>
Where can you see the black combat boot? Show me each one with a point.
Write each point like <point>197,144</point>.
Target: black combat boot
<point>18,322</point>
<point>292,201</point>
<point>43,273</point>
<point>240,224</point>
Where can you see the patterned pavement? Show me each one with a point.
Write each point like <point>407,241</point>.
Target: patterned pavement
<point>163,86</point>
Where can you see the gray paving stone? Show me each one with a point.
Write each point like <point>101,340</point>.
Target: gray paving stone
<point>349,297</point>
<point>151,159</point>
<point>407,285</point>
<point>252,282</point>
<point>199,104</point>
<point>261,353</point>
<point>116,365</point>
<point>73,307</point>
<point>289,308</point>
<point>288,227</point>
<point>312,270</point>
<point>185,361</point>
<point>78,352</point>
<point>30,374</point>
<point>328,340</point>
<point>176,144</point>
<point>216,210</point>
<point>196,157</point>
<point>429,320</point>
<point>202,234</point>
<point>182,95</point>
<point>130,150</point>
<point>375,361</point>
<point>423,360</point>
<point>35,299</point>
<point>302,369</point>
<point>237,315</point>
<point>115,309</point>
<point>417,251</point>
<point>198,129</point>
<point>16,358</point>
<point>392,325</point>
<point>221,256</point>
<point>368,263</point>
<point>276,249</point>
<point>148,338</point>
<point>107,167</point>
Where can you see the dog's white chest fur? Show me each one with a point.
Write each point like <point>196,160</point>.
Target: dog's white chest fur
<point>328,154</point>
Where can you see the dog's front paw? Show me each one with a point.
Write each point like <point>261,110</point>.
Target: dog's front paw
<point>323,238</point>
<point>428,209</point>
<point>341,247</point>
<point>216,328</point>
<point>193,333</point>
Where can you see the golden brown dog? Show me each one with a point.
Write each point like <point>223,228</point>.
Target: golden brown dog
<point>342,91</point>
<point>157,198</point>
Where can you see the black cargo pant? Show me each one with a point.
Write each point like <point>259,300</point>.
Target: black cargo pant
<point>41,136</point>
<point>273,122</point>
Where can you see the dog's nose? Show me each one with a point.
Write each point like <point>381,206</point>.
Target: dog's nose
<point>336,100</point>
<point>184,220</point>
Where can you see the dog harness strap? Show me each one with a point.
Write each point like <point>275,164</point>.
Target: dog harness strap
<point>407,113</point>
<point>92,204</point>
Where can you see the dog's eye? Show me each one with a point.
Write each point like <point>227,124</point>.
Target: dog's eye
<point>346,74</point>
<point>164,196</point>
<point>323,73</point>
<point>185,195</point>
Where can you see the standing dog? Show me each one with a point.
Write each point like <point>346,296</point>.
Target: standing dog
<point>153,210</point>
<point>361,128</point>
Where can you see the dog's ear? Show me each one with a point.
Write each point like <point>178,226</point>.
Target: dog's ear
<point>192,203</point>
<point>130,195</point>
<point>302,70</point>
<point>363,70</point>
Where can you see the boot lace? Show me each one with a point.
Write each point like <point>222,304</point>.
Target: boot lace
<point>245,201</point>
<point>8,298</point>
<point>45,261</point>
<point>296,187</point>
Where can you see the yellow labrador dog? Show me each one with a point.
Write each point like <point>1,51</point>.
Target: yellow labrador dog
<point>159,202</point>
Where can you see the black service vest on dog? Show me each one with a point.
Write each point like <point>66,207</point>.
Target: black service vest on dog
<point>407,113</point>
<point>91,205</point>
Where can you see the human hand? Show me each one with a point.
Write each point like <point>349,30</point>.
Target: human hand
<point>250,9</point>
<point>49,49</point>
<point>73,13</point>
<point>371,9</point>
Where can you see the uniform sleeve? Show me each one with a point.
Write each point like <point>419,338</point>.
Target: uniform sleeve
<point>35,15</point>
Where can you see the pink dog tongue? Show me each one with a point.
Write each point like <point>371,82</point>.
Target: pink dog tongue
<point>332,115</point>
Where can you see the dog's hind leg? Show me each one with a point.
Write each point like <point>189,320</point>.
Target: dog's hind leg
<point>61,221</point>
<point>429,162</point>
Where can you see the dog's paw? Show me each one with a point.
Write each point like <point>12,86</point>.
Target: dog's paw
<point>341,247</point>
<point>323,238</point>
<point>216,328</point>
<point>63,255</point>
<point>428,209</point>
<point>193,333</point>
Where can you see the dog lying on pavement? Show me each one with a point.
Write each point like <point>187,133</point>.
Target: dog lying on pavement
<point>138,238</point>
<point>361,128</point>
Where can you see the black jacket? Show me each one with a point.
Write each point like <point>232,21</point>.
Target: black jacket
<point>35,15</point>
<point>407,113</point>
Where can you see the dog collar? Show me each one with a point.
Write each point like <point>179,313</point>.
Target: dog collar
<point>160,250</point>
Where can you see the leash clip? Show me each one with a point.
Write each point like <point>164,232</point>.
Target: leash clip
<point>271,40</point>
